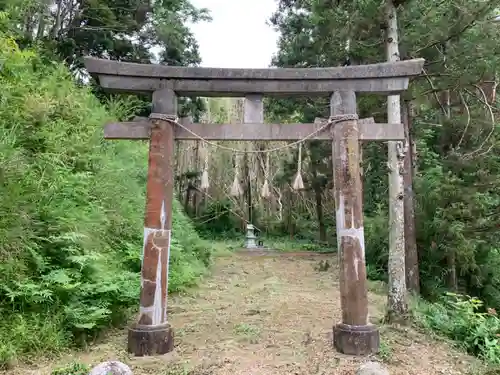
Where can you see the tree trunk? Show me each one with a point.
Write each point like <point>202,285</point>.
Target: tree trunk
<point>289,213</point>
<point>57,21</point>
<point>197,169</point>
<point>187,198</point>
<point>411,251</point>
<point>248,187</point>
<point>318,195</point>
<point>178,170</point>
<point>41,22</point>
<point>397,306</point>
<point>450,254</point>
<point>319,214</point>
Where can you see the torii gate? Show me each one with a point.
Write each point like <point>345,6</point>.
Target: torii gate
<point>152,334</point>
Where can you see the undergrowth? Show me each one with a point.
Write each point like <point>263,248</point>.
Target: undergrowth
<point>466,321</point>
<point>71,213</point>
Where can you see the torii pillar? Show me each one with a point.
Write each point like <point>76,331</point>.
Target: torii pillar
<point>353,335</point>
<point>152,334</point>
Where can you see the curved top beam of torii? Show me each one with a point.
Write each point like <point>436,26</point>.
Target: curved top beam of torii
<point>387,78</point>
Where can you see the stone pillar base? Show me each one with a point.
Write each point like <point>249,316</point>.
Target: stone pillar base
<point>150,340</point>
<point>356,340</point>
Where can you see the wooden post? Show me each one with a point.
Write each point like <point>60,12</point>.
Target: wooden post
<point>354,335</point>
<point>152,334</point>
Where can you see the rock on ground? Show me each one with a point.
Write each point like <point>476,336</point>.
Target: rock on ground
<point>111,368</point>
<point>371,368</point>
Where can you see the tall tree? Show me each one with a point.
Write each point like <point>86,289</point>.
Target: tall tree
<point>412,269</point>
<point>125,30</point>
<point>397,305</point>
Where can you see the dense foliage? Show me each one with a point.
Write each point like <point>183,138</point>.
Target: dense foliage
<point>71,211</point>
<point>464,320</point>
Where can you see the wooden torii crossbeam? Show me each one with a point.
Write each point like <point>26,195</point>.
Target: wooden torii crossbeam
<point>386,78</point>
<point>152,334</point>
<point>140,128</point>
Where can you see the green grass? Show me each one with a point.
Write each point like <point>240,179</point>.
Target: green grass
<point>237,241</point>
<point>464,321</point>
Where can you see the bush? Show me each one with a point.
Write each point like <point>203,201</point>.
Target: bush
<point>466,321</point>
<point>217,219</point>
<point>71,213</point>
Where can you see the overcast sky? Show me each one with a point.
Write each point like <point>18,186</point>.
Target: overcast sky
<point>238,36</point>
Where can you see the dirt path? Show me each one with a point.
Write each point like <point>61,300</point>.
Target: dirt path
<point>270,315</point>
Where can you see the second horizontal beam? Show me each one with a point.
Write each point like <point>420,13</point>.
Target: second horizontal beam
<point>140,129</point>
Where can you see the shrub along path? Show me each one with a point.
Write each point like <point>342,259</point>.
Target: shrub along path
<point>269,315</point>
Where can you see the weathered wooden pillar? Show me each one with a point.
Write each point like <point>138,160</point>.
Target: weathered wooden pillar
<point>152,334</point>
<point>353,335</point>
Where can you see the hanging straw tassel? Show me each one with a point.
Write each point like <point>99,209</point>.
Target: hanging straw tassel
<point>204,176</point>
<point>265,192</point>
<point>298,184</point>
<point>236,188</point>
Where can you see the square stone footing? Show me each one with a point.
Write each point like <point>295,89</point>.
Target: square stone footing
<point>150,340</point>
<point>356,340</point>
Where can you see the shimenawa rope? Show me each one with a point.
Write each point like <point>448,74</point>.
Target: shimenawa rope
<point>331,121</point>
<point>298,183</point>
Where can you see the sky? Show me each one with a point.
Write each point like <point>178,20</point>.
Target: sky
<point>238,36</point>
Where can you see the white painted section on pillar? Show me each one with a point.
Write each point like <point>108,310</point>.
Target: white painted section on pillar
<point>156,316</point>
<point>342,231</point>
<point>168,265</point>
<point>163,215</point>
<point>340,220</point>
<point>155,311</point>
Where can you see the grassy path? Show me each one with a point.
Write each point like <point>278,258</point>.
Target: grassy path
<point>269,315</point>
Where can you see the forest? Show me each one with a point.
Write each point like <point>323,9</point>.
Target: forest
<point>71,213</point>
